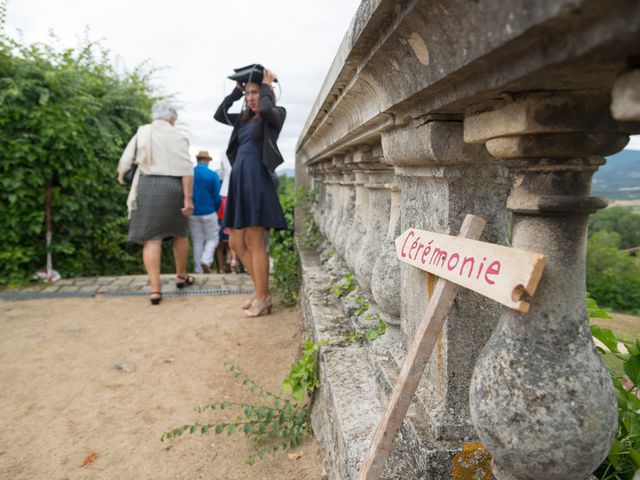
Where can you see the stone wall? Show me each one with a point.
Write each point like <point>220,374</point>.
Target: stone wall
<point>437,108</point>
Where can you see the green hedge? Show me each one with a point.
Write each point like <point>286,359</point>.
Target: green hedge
<point>65,117</point>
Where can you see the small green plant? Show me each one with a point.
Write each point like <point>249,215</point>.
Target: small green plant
<point>277,424</point>
<point>331,253</point>
<point>363,305</point>
<point>303,376</point>
<point>624,457</point>
<point>344,286</point>
<point>370,334</point>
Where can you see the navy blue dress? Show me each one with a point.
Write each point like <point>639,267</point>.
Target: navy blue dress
<point>252,200</point>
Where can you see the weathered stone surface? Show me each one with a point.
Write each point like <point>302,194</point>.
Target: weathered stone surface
<point>556,145</point>
<point>542,113</point>
<point>356,380</point>
<point>431,143</point>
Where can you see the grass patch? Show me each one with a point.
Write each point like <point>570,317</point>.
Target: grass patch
<point>626,327</point>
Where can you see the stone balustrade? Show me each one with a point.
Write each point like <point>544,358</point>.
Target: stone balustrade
<point>434,109</point>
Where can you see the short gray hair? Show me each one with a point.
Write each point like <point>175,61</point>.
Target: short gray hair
<point>163,111</point>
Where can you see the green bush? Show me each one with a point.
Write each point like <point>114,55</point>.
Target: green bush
<point>282,248</point>
<point>65,117</point>
<point>613,277</point>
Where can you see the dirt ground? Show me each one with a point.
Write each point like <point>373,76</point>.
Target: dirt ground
<point>62,400</point>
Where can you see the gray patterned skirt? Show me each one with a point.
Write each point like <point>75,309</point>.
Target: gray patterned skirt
<point>158,214</point>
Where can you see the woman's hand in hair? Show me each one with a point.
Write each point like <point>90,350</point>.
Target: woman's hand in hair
<point>268,76</point>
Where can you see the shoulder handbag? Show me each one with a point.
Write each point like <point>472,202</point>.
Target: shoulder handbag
<point>128,177</point>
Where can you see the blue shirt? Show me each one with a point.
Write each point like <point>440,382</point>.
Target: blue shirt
<point>206,190</point>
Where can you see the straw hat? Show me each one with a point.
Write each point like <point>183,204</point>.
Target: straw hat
<point>203,154</point>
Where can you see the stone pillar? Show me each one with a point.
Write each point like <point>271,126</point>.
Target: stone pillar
<point>385,278</point>
<point>348,200</point>
<point>339,206</point>
<point>541,399</point>
<point>358,231</point>
<point>378,224</point>
<point>331,178</point>
<point>442,179</point>
<point>317,184</point>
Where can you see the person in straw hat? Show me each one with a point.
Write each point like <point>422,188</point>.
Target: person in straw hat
<point>204,221</point>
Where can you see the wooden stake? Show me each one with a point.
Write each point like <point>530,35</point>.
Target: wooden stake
<point>418,355</point>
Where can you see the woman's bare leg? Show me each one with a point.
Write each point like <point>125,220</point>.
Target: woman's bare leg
<point>238,243</point>
<point>180,252</point>
<point>151,253</point>
<point>254,237</point>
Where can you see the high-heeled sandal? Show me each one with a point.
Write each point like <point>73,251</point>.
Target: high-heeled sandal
<point>246,305</point>
<point>187,281</point>
<point>155,300</point>
<point>263,308</point>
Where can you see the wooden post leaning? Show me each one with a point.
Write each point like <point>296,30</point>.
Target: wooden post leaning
<point>501,273</point>
<point>417,357</point>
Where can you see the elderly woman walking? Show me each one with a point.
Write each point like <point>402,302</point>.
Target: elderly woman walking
<point>160,200</point>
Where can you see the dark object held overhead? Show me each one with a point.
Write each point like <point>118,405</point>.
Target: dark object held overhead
<point>250,73</point>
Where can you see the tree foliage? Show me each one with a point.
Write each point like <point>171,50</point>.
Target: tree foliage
<point>623,221</point>
<point>65,117</point>
<point>613,277</point>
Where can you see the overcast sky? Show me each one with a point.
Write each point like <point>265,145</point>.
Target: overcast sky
<point>196,44</point>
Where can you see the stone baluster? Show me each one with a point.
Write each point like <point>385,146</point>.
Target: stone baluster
<point>541,398</point>
<point>377,225</point>
<point>348,203</point>
<point>342,187</point>
<point>385,279</point>
<point>334,211</point>
<point>358,231</point>
<point>442,179</point>
<point>317,184</point>
<point>327,197</point>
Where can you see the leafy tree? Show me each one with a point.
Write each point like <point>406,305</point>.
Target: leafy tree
<point>620,220</point>
<point>613,277</point>
<point>65,117</point>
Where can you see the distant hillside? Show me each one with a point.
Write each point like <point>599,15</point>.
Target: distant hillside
<point>619,178</point>
<point>286,172</point>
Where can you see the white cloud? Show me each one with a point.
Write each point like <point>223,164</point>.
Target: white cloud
<point>634,143</point>
<point>197,44</point>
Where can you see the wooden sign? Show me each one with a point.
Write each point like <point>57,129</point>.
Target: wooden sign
<point>480,266</point>
<point>500,273</point>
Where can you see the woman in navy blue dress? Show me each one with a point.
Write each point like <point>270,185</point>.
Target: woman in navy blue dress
<point>252,201</point>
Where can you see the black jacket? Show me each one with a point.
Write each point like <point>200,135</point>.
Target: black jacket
<point>268,129</point>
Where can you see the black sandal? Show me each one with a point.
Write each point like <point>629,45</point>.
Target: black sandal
<point>155,300</point>
<point>187,281</point>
